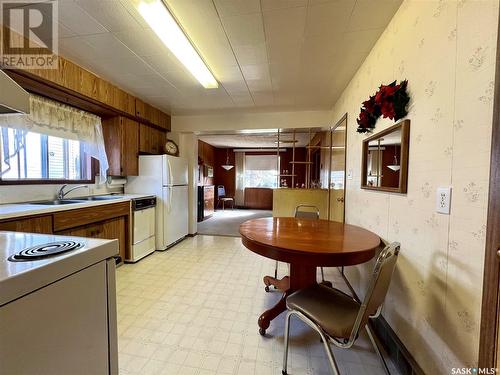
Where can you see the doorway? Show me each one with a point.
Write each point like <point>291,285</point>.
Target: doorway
<point>337,170</point>
<point>489,342</point>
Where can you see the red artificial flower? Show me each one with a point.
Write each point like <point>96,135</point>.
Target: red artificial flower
<point>387,109</point>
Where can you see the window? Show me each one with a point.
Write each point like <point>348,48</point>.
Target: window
<point>261,171</point>
<point>32,156</point>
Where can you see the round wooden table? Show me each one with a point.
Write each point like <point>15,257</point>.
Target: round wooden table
<point>305,244</point>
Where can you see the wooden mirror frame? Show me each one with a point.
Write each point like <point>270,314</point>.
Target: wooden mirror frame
<point>403,172</point>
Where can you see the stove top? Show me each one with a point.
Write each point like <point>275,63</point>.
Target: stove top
<point>29,261</point>
<point>46,250</point>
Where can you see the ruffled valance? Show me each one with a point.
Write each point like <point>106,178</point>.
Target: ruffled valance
<point>59,120</point>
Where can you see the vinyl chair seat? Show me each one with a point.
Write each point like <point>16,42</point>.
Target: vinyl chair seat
<point>330,308</point>
<point>226,199</point>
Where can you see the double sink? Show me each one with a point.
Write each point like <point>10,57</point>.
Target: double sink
<point>58,202</point>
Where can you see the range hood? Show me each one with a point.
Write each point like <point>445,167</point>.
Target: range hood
<point>13,98</point>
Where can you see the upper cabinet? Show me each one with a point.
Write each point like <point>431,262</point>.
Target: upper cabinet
<point>121,136</point>
<point>152,115</point>
<point>151,140</point>
<point>76,86</point>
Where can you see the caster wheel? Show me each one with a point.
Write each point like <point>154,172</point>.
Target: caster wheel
<point>284,372</point>
<point>267,288</point>
<point>262,331</point>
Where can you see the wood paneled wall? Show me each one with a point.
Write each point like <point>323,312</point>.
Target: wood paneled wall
<point>74,85</point>
<point>206,155</point>
<point>223,177</point>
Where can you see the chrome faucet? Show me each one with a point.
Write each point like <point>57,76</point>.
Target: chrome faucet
<point>61,194</point>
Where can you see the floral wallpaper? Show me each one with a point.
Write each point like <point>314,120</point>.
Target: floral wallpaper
<point>446,50</point>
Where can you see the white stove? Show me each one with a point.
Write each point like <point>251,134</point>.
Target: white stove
<point>58,303</point>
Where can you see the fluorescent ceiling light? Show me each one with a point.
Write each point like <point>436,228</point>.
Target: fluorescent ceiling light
<point>165,26</point>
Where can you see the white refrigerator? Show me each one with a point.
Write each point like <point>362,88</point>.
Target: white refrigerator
<point>166,177</point>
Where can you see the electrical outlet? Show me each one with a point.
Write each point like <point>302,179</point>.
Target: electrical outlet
<point>443,200</point>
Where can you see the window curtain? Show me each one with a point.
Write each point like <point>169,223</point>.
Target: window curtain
<point>59,120</point>
<point>239,196</point>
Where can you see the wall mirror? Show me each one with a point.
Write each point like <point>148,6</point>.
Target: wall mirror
<point>385,159</point>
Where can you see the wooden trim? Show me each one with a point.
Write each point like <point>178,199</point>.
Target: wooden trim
<point>344,118</point>
<point>488,338</point>
<point>77,217</point>
<point>44,182</point>
<point>405,149</point>
<point>48,89</point>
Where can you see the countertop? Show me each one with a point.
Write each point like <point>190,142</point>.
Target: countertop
<point>20,278</point>
<point>13,210</point>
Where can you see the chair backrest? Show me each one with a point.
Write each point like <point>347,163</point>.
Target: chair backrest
<point>221,191</point>
<point>378,287</point>
<point>306,211</point>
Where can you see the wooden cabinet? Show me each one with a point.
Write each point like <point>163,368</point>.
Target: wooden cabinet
<point>107,221</point>
<point>209,201</point>
<point>121,136</point>
<point>151,114</point>
<point>151,140</point>
<point>41,224</point>
<point>110,221</point>
<point>108,229</point>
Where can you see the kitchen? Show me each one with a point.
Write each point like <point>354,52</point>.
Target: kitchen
<point>120,120</point>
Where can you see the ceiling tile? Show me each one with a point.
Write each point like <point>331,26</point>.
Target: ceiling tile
<point>369,14</point>
<point>77,20</point>
<point>263,98</point>
<point>291,54</point>
<point>361,41</point>
<point>251,54</point>
<point>245,29</point>
<point>328,19</point>
<point>242,100</point>
<point>64,32</point>
<point>281,4</point>
<point>285,25</point>
<point>282,52</point>
<point>143,42</point>
<point>228,8</point>
<point>109,13</point>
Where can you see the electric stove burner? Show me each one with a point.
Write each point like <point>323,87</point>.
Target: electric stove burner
<point>45,251</point>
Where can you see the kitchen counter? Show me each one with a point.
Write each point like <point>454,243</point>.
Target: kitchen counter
<point>20,278</point>
<point>13,210</point>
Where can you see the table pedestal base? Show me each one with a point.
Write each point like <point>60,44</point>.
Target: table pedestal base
<point>300,277</point>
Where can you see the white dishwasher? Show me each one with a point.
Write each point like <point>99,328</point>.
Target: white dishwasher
<point>143,237</point>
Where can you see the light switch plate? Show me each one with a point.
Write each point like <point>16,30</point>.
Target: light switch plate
<point>443,200</point>
<point>349,174</point>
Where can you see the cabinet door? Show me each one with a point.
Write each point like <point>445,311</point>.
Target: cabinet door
<point>145,138</point>
<point>114,229</point>
<point>151,140</point>
<point>42,224</point>
<point>108,229</point>
<point>130,147</point>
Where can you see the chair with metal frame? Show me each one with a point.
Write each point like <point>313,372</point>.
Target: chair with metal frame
<point>312,213</point>
<point>221,197</point>
<point>338,317</point>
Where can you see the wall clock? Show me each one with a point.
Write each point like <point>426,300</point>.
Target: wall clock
<point>171,148</point>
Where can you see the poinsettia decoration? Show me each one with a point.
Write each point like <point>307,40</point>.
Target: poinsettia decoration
<point>390,101</point>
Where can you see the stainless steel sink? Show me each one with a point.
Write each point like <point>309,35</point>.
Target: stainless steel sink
<point>98,198</point>
<point>57,202</point>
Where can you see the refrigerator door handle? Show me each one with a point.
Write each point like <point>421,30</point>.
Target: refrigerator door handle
<point>170,176</point>
<point>169,208</point>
